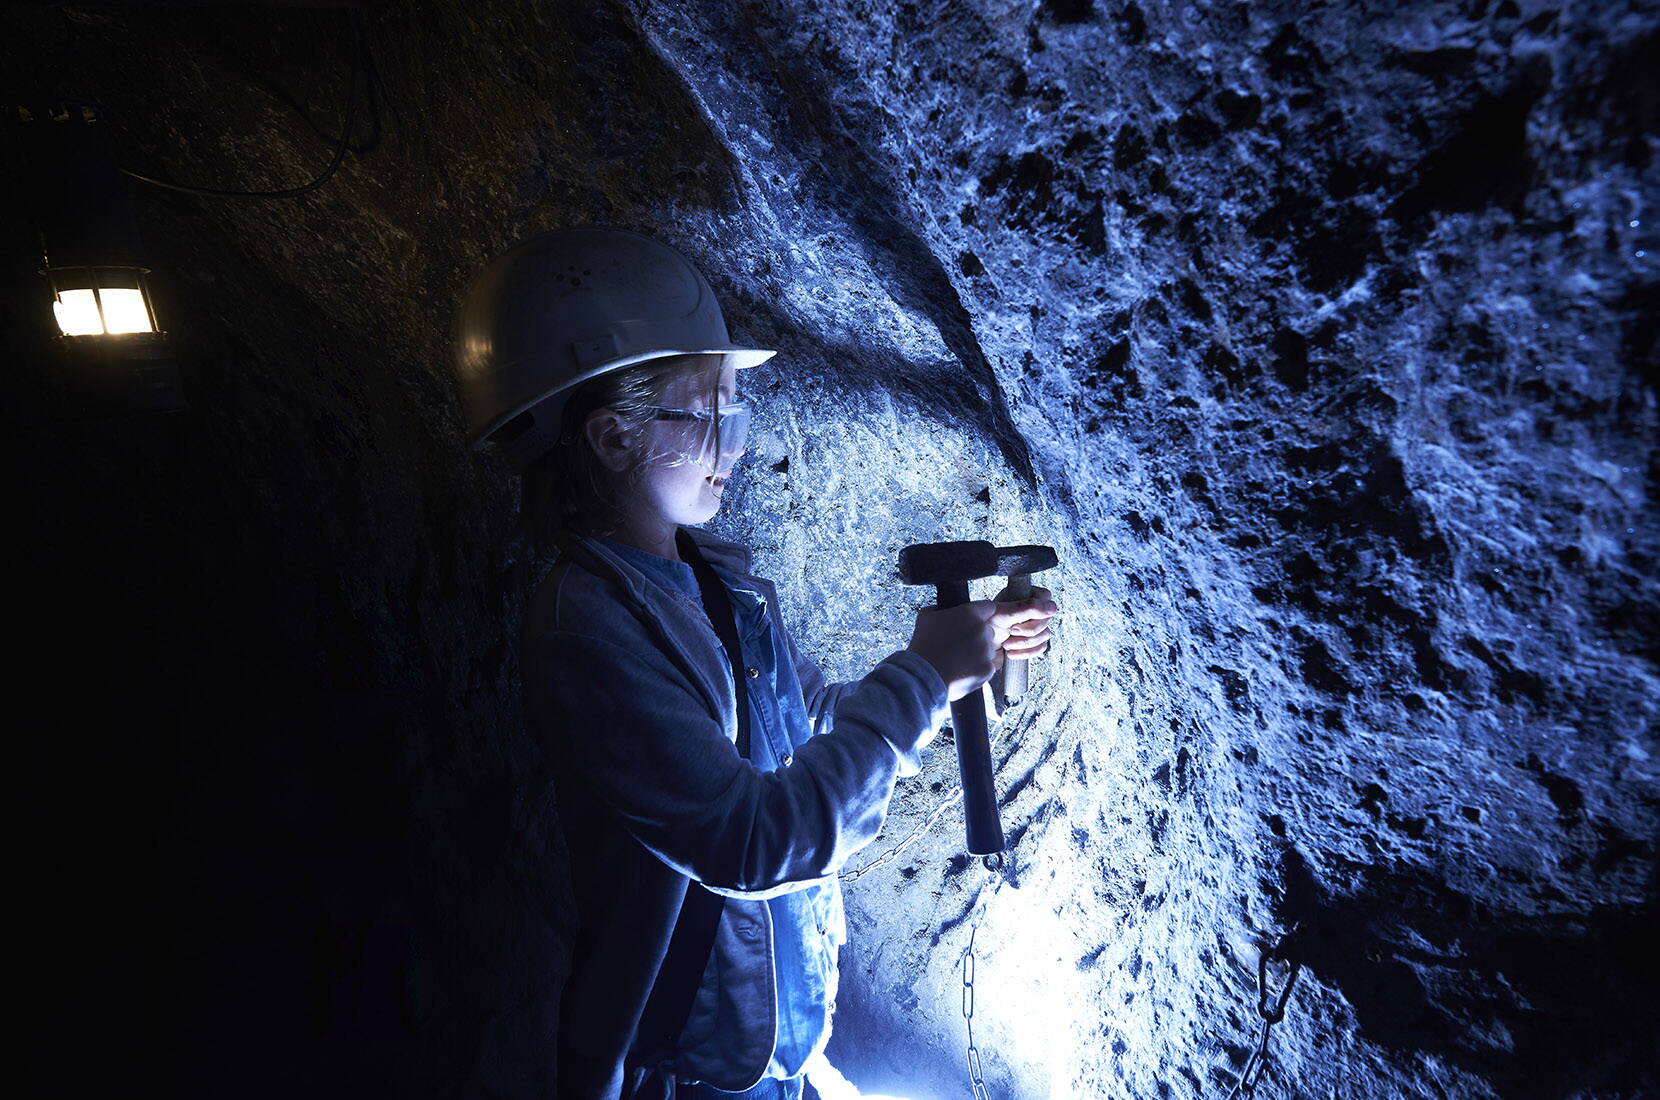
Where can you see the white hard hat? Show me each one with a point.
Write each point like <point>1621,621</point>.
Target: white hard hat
<point>566,306</point>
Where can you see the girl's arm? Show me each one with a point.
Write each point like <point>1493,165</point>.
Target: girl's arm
<point>821,697</point>
<point>640,734</point>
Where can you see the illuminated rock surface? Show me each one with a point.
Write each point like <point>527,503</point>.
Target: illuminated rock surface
<point>1319,344</point>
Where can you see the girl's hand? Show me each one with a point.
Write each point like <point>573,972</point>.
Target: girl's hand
<point>1028,637</point>
<point>966,644</point>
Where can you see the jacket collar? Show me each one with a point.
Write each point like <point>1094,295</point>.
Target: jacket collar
<point>733,557</point>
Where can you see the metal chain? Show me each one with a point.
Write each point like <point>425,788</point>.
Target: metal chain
<point>976,1078</point>
<point>951,798</point>
<point>1271,1010</point>
<point>893,853</point>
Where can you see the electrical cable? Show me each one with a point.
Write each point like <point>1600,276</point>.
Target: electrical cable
<point>360,48</point>
<point>371,88</point>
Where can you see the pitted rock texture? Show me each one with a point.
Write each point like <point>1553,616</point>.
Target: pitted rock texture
<point>1318,339</point>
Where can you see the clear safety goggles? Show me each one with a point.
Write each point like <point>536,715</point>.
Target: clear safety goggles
<point>710,438</point>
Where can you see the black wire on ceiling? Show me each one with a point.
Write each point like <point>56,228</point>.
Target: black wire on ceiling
<point>372,87</point>
<point>360,65</point>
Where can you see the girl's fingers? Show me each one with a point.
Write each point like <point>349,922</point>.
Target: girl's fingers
<point>1026,633</point>
<point>1022,626</point>
<point>1037,643</point>
<point>1015,612</point>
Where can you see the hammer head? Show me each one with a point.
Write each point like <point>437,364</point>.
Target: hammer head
<point>945,562</point>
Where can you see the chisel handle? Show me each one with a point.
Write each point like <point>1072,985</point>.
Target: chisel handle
<point>1010,682</point>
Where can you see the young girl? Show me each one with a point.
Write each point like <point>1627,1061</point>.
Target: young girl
<point>709,787</point>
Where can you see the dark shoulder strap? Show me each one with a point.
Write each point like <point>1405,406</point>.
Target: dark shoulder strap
<point>718,606</point>
<point>675,989</point>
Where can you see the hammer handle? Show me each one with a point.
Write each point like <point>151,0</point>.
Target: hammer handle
<point>968,722</point>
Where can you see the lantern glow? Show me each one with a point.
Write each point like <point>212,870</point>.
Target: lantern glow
<point>101,300</point>
<point>101,311</point>
<point>77,313</point>
<point>125,311</point>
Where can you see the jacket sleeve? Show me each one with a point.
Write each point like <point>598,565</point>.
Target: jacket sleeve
<point>646,742</point>
<point>821,697</point>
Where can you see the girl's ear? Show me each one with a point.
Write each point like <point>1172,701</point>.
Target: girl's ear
<point>608,440</point>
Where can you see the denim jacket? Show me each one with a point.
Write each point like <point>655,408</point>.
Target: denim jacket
<point>627,685</point>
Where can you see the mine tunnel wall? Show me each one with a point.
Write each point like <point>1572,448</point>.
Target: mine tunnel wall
<point>1318,341</point>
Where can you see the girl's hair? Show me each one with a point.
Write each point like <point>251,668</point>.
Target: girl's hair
<point>568,492</point>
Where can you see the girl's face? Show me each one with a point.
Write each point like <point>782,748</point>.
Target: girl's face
<point>666,496</point>
<point>688,493</point>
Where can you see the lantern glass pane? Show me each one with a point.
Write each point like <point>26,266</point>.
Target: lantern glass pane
<point>77,313</point>
<point>124,310</point>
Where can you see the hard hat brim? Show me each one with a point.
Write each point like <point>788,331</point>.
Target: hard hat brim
<point>742,358</point>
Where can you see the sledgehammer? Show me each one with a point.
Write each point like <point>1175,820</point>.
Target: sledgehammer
<point>950,566</point>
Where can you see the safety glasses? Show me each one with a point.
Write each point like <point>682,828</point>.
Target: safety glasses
<point>710,438</point>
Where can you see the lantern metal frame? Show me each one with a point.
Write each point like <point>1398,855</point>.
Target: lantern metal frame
<point>98,278</point>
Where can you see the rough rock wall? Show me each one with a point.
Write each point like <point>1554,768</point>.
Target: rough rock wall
<point>1319,340</point>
